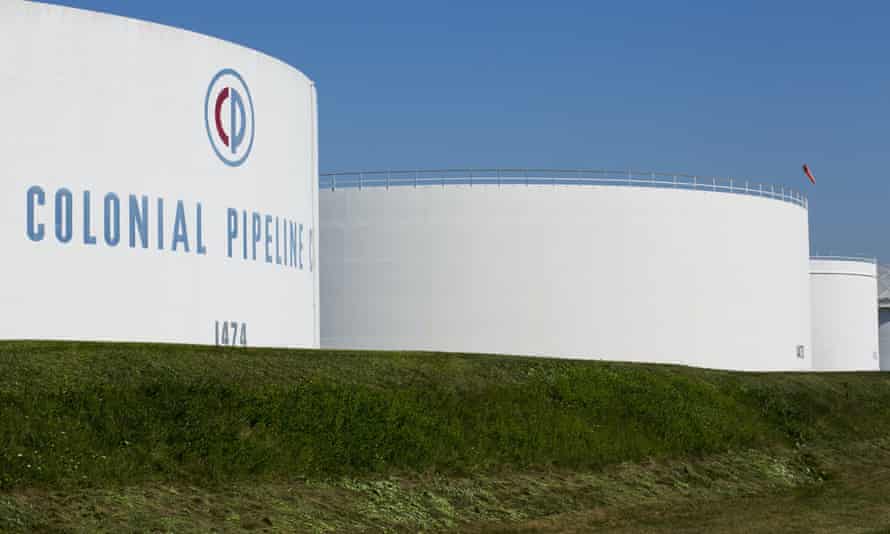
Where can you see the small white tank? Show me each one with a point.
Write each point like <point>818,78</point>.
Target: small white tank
<point>884,344</point>
<point>884,315</point>
<point>844,314</point>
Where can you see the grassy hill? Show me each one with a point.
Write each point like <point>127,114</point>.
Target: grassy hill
<point>86,417</point>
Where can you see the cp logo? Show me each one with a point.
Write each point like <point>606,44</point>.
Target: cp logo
<point>228,116</point>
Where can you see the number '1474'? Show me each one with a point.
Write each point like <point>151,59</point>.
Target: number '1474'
<point>230,333</point>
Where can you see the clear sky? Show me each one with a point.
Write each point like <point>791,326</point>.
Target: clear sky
<point>740,89</point>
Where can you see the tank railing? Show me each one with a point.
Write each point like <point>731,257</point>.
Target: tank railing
<point>863,259</point>
<point>554,177</point>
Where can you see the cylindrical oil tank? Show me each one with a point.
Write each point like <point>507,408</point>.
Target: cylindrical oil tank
<point>845,314</point>
<point>713,278</point>
<point>136,203</point>
<point>884,316</point>
<point>884,338</point>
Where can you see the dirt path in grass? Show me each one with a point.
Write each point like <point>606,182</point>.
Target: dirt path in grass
<point>855,498</point>
<point>829,489</point>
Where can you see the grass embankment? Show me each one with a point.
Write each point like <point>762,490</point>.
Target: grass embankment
<point>98,418</point>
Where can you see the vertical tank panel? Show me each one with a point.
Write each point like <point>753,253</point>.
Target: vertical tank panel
<point>885,339</point>
<point>845,315</point>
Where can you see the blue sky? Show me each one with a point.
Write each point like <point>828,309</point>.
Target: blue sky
<point>741,89</point>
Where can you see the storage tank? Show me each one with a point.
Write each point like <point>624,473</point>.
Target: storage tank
<point>157,185</point>
<point>845,314</point>
<point>884,315</point>
<point>577,264</point>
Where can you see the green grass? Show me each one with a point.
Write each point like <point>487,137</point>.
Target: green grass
<point>744,491</point>
<point>98,415</point>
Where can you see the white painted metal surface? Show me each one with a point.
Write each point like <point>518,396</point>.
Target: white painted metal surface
<point>133,154</point>
<point>884,285</point>
<point>884,338</point>
<point>845,316</point>
<point>884,315</point>
<point>695,277</point>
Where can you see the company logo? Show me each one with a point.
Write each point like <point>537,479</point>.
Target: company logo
<point>229,118</point>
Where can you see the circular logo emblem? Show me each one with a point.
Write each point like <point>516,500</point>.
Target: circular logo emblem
<point>228,116</point>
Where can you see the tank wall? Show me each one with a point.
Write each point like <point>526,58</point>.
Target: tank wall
<point>884,339</point>
<point>619,273</point>
<point>845,315</point>
<point>105,118</point>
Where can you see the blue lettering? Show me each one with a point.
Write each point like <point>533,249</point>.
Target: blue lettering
<point>242,225</point>
<point>200,215</point>
<point>232,226</point>
<point>35,197</point>
<point>292,242</point>
<point>256,232</point>
<point>160,224</point>
<point>268,239</point>
<point>244,229</point>
<point>180,230</point>
<point>89,238</point>
<point>112,222</point>
<point>138,220</point>
<point>277,254</point>
<point>301,246</point>
<point>64,215</point>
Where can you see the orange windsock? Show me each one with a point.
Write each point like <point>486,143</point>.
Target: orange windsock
<point>806,170</point>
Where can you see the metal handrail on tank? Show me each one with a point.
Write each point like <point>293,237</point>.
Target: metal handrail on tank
<point>498,177</point>
<point>862,259</point>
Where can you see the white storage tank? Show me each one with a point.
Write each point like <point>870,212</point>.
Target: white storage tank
<point>884,315</point>
<point>578,264</point>
<point>845,314</point>
<point>157,185</point>
<point>884,337</point>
